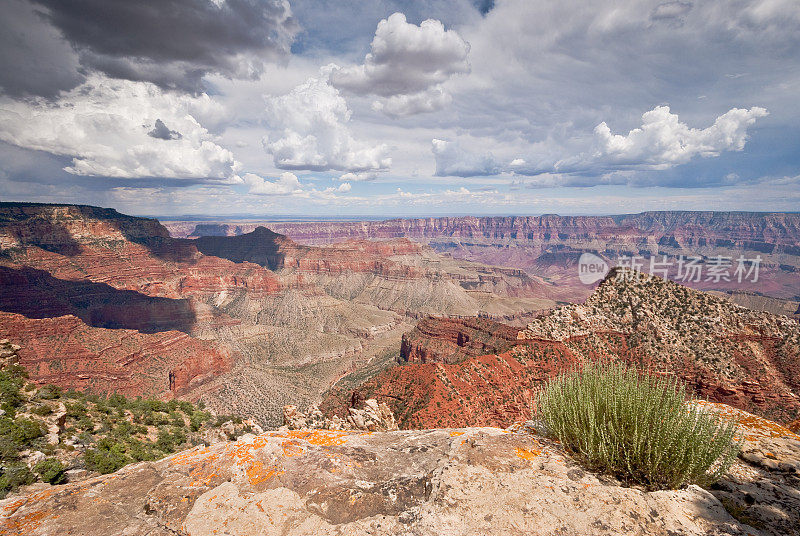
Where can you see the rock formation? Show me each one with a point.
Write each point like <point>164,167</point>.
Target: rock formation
<point>724,352</point>
<point>551,245</point>
<point>445,481</point>
<point>103,301</point>
<point>372,417</point>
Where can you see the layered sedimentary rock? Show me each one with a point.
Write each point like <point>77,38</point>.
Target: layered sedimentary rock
<point>744,358</point>
<point>447,340</point>
<point>65,351</point>
<point>551,245</point>
<point>430,482</point>
<point>255,321</point>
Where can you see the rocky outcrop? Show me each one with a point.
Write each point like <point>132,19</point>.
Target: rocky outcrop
<point>372,417</point>
<point>447,340</point>
<point>445,481</point>
<point>751,359</point>
<point>724,352</point>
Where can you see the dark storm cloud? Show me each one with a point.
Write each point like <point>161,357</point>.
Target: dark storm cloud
<point>162,132</point>
<point>34,59</point>
<point>173,43</point>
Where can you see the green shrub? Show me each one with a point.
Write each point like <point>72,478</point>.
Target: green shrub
<point>42,410</point>
<point>107,457</point>
<point>637,427</point>
<point>51,471</point>
<point>49,392</point>
<point>13,477</point>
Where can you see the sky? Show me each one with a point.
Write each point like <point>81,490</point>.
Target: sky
<point>401,108</point>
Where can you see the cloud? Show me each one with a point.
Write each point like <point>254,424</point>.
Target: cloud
<point>406,66</point>
<point>34,59</point>
<point>287,184</point>
<point>359,177</point>
<point>664,141</point>
<point>174,43</point>
<point>161,132</point>
<point>453,160</point>
<point>311,121</point>
<point>671,12</point>
<point>106,126</point>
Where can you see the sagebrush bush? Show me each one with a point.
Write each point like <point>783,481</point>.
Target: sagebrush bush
<point>637,427</point>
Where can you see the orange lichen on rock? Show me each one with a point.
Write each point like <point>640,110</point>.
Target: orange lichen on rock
<point>322,438</point>
<point>752,426</point>
<point>526,454</point>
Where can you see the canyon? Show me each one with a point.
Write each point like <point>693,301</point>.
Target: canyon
<point>550,246</point>
<point>106,302</point>
<point>485,373</point>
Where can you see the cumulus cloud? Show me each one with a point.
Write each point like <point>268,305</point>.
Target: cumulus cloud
<point>359,177</point>
<point>453,160</point>
<point>311,121</point>
<point>287,184</point>
<point>174,43</point>
<point>107,127</point>
<point>664,141</point>
<point>406,66</point>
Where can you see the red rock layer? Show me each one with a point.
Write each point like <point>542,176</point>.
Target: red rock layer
<point>689,228</point>
<point>447,340</point>
<point>745,359</point>
<point>67,352</point>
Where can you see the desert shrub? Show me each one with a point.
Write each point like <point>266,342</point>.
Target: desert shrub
<point>14,476</point>
<point>197,418</point>
<point>51,471</point>
<point>49,392</point>
<point>42,410</point>
<point>108,457</point>
<point>637,427</point>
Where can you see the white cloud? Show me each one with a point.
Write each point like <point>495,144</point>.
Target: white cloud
<point>287,184</point>
<point>664,141</point>
<point>344,187</point>
<point>104,124</point>
<point>313,134</point>
<point>453,160</point>
<point>406,66</point>
<point>359,177</point>
<point>429,100</point>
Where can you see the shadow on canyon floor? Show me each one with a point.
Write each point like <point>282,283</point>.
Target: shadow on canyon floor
<point>36,294</point>
<point>261,246</point>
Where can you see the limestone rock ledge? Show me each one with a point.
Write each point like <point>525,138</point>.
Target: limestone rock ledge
<point>443,481</point>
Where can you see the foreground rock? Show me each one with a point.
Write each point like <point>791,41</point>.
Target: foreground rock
<point>372,417</point>
<point>447,481</point>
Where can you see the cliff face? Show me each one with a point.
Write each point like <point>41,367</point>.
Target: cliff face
<point>744,358</point>
<point>65,351</point>
<point>446,340</point>
<point>430,482</point>
<point>551,245</point>
<point>687,227</point>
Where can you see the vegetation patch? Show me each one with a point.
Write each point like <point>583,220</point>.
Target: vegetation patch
<point>46,432</point>
<point>637,427</point>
